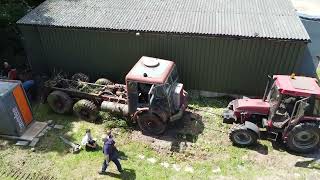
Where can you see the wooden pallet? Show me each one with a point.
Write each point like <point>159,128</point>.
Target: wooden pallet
<point>20,175</point>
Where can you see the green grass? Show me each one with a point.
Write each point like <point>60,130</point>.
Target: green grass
<point>212,150</point>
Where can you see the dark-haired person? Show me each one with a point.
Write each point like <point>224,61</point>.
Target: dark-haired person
<point>111,154</point>
<point>88,142</point>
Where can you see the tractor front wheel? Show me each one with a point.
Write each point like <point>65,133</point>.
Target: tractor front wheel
<point>241,136</point>
<point>304,138</point>
<point>60,102</point>
<point>151,123</point>
<point>86,110</point>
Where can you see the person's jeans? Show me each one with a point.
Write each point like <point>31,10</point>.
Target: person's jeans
<point>115,161</point>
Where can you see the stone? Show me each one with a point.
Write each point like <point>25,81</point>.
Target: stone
<point>141,156</point>
<point>22,143</point>
<point>32,149</point>
<point>50,122</point>
<point>176,167</point>
<point>48,128</point>
<point>58,126</point>
<point>34,142</point>
<point>189,169</point>
<point>152,160</point>
<point>165,164</point>
<point>241,168</point>
<point>216,170</point>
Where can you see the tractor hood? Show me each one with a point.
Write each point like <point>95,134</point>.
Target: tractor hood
<point>251,105</point>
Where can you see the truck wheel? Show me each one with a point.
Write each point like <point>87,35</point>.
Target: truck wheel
<point>151,123</point>
<point>86,110</point>
<point>104,81</point>
<point>80,77</point>
<point>60,102</point>
<point>241,136</point>
<point>304,138</point>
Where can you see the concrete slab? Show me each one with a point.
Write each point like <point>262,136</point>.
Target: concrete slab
<point>58,126</point>
<point>33,130</point>
<point>34,142</point>
<point>22,143</point>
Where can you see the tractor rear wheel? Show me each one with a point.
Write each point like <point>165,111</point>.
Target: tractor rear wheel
<point>80,77</point>
<point>241,136</point>
<point>151,123</point>
<point>86,110</point>
<point>104,81</point>
<point>60,102</point>
<point>304,138</point>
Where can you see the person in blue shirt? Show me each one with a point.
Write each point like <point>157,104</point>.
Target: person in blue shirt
<point>111,154</point>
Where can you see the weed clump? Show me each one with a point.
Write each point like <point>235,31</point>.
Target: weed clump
<point>110,121</point>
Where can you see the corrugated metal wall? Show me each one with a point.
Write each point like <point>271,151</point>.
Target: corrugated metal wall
<point>217,64</point>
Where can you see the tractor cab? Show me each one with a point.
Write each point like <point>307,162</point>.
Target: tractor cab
<point>290,109</point>
<point>153,87</point>
<point>292,96</point>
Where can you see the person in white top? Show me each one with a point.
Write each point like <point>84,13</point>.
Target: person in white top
<point>88,142</point>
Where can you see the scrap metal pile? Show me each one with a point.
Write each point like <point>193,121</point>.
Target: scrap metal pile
<point>79,83</point>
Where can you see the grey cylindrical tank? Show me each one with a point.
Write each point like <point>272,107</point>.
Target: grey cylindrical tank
<point>115,107</point>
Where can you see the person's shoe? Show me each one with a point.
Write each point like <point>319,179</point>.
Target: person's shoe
<point>102,172</point>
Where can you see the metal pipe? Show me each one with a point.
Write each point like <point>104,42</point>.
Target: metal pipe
<point>115,107</point>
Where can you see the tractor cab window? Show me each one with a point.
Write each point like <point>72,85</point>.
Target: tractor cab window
<point>173,77</point>
<point>274,96</point>
<point>143,90</point>
<point>158,97</point>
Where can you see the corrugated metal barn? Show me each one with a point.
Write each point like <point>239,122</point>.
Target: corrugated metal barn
<point>219,45</point>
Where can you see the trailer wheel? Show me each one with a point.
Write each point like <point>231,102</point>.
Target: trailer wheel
<point>241,136</point>
<point>304,138</point>
<point>104,81</point>
<point>60,102</point>
<point>86,110</point>
<point>151,123</point>
<point>80,77</point>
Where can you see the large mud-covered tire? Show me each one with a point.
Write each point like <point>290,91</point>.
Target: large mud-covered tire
<point>304,138</point>
<point>241,136</point>
<point>151,123</point>
<point>104,81</point>
<point>60,102</point>
<point>80,77</point>
<point>86,110</point>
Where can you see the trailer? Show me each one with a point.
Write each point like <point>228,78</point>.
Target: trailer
<point>152,95</point>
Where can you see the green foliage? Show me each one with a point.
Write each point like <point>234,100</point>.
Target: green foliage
<point>11,11</point>
<point>111,121</point>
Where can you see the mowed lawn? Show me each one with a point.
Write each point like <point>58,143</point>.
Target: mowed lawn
<point>210,156</point>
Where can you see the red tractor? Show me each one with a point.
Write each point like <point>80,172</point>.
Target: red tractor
<point>289,110</point>
<point>152,95</point>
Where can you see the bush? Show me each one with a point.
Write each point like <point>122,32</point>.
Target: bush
<point>111,121</point>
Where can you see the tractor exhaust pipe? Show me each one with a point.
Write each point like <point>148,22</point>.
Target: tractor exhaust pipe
<point>115,107</point>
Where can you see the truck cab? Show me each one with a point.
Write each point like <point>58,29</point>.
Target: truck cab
<point>155,97</point>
